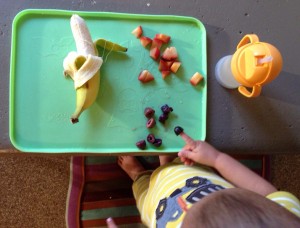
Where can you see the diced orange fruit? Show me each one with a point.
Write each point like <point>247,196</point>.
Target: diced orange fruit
<point>196,79</point>
<point>175,66</point>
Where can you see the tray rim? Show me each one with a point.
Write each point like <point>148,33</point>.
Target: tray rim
<point>61,12</point>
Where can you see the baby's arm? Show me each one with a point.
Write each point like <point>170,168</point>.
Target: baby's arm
<point>232,170</point>
<point>241,176</point>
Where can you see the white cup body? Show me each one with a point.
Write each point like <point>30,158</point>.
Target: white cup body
<point>224,74</point>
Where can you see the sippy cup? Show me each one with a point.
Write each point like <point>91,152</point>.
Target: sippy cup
<point>253,65</point>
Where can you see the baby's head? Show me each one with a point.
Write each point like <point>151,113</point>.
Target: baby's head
<point>238,208</point>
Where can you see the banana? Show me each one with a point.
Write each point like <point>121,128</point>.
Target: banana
<point>82,36</point>
<point>79,68</point>
<point>86,96</point>
<point>84,65</point>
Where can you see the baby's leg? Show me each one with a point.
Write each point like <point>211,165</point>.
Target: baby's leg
<point>131,166</point>
<point>164,159</point>
<point>140,189</point>
<point>141,179</point>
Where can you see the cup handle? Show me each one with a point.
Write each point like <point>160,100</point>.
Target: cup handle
<point>256,90</point>
<point>249,38</point>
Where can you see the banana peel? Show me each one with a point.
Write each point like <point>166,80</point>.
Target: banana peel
<point>110,46</point>
<point>84,65</point>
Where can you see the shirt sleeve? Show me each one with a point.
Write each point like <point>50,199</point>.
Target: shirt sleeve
<point>287,200</point>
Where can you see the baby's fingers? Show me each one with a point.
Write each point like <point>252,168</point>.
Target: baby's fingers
<point>188,140</point>
<point>189,162</point>
<point>186,161</point>
<point>186,154</point>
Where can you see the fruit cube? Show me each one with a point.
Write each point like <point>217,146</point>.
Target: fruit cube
<point>145,41</point>
<point>156,43</point>
<point>163,37</point>
<point>169,63</point>
<point>175,66</point>
<point>196,79</point>
<point>138,31</point>
<point>154,52</point>
<point>165,73</point>
<point>163,65</point>
<point>170,53</point>
<point>145,76</point>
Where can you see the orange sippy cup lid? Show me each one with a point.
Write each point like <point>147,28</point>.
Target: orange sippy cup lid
<point>255,63</point>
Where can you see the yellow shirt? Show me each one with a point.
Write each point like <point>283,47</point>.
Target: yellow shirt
<point>173,191</point>
<point>286,200</point>
<point>164,197</point>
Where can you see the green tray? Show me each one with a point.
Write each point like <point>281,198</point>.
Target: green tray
<point>42,100</point>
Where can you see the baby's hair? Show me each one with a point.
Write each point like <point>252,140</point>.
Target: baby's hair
<point>238,208</point>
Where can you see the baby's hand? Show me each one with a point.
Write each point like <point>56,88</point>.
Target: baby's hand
<point>197,151</point>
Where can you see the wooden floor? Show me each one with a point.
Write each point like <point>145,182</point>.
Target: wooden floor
<point>33,189</point>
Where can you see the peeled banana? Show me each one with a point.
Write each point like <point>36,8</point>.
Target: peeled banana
<point>84,65</point>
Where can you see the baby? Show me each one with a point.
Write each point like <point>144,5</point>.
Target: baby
<point>204,187</point>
